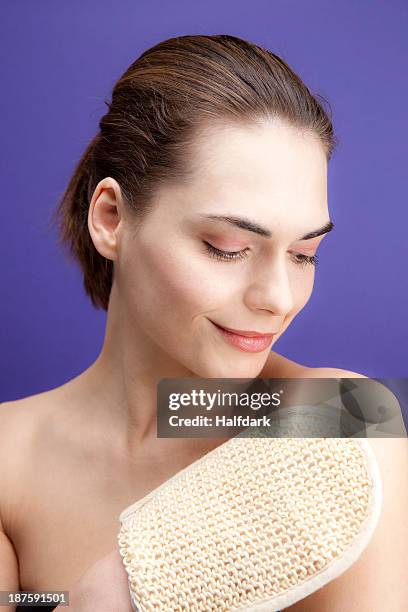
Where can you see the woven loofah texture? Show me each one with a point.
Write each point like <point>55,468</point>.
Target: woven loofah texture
<point>255,524</point>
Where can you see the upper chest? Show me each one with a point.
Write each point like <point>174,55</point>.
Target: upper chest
<point>63,512</point>
<point>66,499</point>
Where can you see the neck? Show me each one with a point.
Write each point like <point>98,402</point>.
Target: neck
<point>118,392</point>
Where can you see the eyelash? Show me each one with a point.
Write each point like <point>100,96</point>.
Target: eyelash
<point>300,259</point>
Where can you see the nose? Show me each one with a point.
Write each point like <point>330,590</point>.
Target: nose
<point>270,289</point>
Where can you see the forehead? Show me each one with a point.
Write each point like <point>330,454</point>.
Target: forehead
<point>269,173</point>
<point>268,160</point>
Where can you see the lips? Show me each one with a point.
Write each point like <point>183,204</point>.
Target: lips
<point>247,334</point>
<point>249,341</point>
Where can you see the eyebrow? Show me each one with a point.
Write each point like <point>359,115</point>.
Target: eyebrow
<point>252,226</point>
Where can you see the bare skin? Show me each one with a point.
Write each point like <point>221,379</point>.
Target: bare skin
<point>74,457</point>
<point>79,454</point>
<point>61,511</point>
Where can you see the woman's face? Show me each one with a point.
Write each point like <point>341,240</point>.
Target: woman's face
<point>173,280</point>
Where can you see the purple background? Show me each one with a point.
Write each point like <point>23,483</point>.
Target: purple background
<point>60,61</point>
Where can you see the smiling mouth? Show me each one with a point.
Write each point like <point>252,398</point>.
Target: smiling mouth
<point>244,333</point>
<point>248,341</point>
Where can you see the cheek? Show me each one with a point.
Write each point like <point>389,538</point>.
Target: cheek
<point>172,285</point>
<point>302,287</point>
<point>301,284</point>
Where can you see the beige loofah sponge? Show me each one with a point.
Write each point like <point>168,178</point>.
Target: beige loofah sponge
<point>255,524</point>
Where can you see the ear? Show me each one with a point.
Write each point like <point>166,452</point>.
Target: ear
<point>104,217</point>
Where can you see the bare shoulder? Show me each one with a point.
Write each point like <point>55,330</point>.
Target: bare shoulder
<point>14,434</point>
<point>279,366</point>
<point>17,424</point>
<point>377,579</point>
<point>23,429</point>
<point>18,417</point>
<point>27,421</point>
<point>16,421</point>
<point>378,574</point>
<point>29,411</point>
<point>333,373</point>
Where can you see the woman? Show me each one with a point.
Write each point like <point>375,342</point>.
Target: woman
<point>198,208</point>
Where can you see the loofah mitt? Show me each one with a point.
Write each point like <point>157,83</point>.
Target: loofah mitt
<point>256,524</point>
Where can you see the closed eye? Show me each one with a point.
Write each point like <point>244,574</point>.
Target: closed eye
<point>226,255</point>
<point>299,258</point>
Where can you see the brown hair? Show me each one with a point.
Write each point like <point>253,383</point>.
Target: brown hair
<point>159,111</point>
